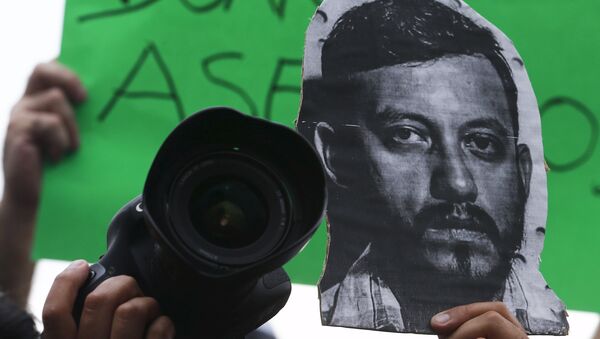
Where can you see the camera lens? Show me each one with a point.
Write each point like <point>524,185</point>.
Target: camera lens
<point>228,212</point>
<point>229,207</point>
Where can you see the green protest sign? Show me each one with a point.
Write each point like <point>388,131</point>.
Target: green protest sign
<point>149,63</point>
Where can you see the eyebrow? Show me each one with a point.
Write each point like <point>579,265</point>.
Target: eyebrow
<point>488,123</point>
<point>391,115</point>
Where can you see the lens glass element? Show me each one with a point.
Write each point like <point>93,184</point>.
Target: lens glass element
<point>228,212</point>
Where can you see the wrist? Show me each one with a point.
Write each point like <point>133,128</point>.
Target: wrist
<point>17,223</point>
<point>17,226</point>
<point>16,209</point>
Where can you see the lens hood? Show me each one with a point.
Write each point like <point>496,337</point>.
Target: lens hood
<point>231,194</point>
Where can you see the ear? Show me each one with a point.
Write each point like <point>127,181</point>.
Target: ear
<point>524,163</point>
<point>324,137</point>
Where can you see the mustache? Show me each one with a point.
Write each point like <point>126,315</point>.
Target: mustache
<point>468,216</point>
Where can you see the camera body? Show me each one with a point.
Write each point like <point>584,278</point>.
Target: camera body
<point>228,200</point>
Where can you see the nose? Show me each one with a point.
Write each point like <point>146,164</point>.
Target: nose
<point>452,180</point>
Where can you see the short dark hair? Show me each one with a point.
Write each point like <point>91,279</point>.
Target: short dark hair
<point>391,32</point>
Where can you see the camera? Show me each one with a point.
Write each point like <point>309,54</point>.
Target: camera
<point>228,200</point>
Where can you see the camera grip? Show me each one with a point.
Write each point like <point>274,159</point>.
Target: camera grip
<point>96,276</point>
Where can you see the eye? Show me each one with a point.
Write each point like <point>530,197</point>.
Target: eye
<point>406,135</point>
<point>484,145</point>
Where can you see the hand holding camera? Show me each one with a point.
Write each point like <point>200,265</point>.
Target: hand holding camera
<point>229,199</point>
<point>117,309</point>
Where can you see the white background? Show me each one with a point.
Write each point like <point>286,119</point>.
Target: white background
<point>30,32</point>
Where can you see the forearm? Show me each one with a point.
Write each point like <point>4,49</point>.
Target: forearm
<point>41,127</point>
<point>17,225</point>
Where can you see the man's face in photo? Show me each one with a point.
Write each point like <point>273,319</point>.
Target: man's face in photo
<point>423,115</point>
<point>442,156</point>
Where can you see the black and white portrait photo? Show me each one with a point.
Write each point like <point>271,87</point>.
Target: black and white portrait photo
<point>427,126</point>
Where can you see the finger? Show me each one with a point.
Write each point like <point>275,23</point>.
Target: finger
<point>54,74</point>
<point>161,328</point>
<point>49,134</point>
<point>489,325</point>
<point>450,320</point>
<point>54,100</point>
<point>56,315</point>
<point>133,317</point>
<point>100,305</point>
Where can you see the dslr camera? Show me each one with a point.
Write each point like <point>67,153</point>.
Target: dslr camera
<point>228,200</point>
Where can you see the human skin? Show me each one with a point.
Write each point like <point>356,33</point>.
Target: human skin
<point>116,309</point>
<point>42,128</point>
<point>490,320</point>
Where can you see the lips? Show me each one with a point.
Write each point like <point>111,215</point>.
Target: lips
<point>454,235</point>
<point>449,222</point>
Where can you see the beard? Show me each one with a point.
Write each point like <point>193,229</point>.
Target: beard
<point>463,240</point>
<point>450,254</point>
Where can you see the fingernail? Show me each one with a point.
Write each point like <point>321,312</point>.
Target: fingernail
<point>441,318</point>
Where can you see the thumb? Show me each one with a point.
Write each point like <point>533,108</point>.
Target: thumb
<point>448,321</point>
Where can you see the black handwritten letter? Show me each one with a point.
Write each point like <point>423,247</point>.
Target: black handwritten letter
<point>206,63</point>
<point>150,51</point>
<point>580,108</point>
<point>596,190</point>
<point>125,9</point>
<point>278,8</point>
<point>276,87</point>
<point>206,6</point>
